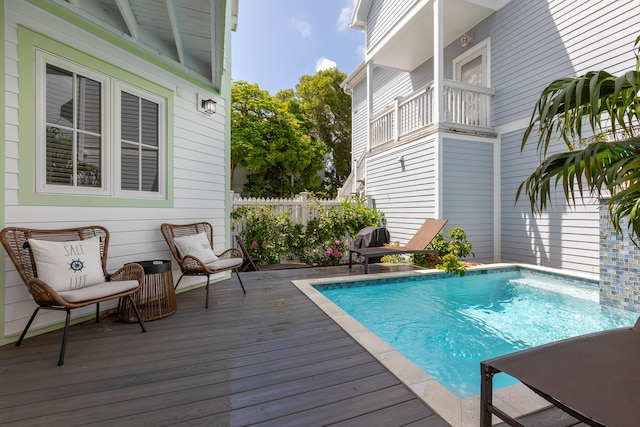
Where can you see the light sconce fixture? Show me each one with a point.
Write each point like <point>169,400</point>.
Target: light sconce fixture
<point>465,39</point>
<point>209,106</point>
<point>206,105</point>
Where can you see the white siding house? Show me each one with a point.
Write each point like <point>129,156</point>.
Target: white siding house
<point>124,80</point>
<point>449,87</point>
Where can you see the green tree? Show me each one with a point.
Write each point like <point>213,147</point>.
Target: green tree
<point>604,108</point>
<point>268,141</point>
<point>327,109</point>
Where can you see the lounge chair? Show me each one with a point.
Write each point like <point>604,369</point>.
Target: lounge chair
<point>192,247</point>
<point>250,263</point>
<point>591,377</point>
<point>425,234</point>
<point>66,269</point>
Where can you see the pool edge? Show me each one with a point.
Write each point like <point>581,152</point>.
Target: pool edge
<point>516,400</point>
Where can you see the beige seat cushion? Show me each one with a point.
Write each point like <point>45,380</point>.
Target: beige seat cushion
<point>98,291</point>
<point>225,263</point>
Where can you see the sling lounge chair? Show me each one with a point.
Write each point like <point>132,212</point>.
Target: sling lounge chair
<point>66,269</point>
<point>192,247</point>
<point>251,265</point>
<point>425,234</point>
<point>591,377</point>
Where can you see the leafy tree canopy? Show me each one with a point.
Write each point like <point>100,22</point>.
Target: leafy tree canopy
<point>327,109</point>
<point>268,140</point>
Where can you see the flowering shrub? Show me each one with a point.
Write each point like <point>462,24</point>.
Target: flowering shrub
<point>271,235</point>
<point>335,250</point>
<point>265,233</point>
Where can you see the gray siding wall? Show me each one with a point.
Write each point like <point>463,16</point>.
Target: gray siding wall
<point>389,84</point>
<point>383,15</point>
<point>404,191</point>
<point>562,237</point>
<point>467,194</point>
<point>534,42</point>
<point>554,40</point>
<point>359,120</point>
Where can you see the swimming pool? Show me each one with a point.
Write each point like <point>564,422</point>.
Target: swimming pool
<point>447,325</point>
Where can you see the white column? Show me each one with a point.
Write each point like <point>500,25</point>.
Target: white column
<point>438,63</point>
<point>438,99</point>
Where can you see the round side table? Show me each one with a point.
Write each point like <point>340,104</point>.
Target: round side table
<point>156,298</point>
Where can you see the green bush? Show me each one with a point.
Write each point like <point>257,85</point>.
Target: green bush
<point>450,252</point>
<point>322,242</point>
<point>266,233</point>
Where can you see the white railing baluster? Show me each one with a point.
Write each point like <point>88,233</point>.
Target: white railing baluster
<point>465,104</point>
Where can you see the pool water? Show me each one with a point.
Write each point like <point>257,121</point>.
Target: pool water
<point>447,326</point>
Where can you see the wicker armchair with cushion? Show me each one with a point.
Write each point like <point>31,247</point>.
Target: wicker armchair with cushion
<point>192,247</point>
<point>66,269</point>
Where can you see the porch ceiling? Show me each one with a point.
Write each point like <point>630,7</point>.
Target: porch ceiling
<point>187,33</point>
<point>400,51</point>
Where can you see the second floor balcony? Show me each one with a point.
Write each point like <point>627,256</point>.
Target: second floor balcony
<point>467,108</point>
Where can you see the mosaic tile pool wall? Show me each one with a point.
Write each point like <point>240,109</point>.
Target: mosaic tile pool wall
<point>619,266</point>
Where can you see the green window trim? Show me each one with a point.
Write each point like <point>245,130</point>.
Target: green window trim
<point>28,41</point>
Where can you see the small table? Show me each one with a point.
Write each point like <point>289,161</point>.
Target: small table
<point>156,298</point>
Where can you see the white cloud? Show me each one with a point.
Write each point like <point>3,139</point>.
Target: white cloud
<point>344,20</point>
<point>324,64</point>
<point>303,26</point>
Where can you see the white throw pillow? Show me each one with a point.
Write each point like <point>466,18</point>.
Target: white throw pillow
<point>66,266</point>
<point>196,245</point>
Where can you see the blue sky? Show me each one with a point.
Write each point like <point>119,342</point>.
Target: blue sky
<point>278,41</point>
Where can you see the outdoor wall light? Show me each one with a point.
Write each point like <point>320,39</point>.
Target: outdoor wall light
<point>205,104</point>
<point>208,106</point>
<point>465,39</point>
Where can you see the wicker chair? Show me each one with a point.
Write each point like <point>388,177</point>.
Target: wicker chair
<point>190,265</point>
<point>122,283</point>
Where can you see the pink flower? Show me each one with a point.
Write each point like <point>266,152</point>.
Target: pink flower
<point>264,245</point>
<point>330,251</point>
<point>337,242</point>
<point>337,254</point>
<point>254,244</point>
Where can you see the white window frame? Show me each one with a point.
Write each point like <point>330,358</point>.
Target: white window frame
<point>118,88</point>
<point>483,48</point>
<point>110,144</point>
<point>42,59</point>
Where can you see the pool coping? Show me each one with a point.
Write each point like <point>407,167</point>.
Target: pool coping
<point>515,400</point>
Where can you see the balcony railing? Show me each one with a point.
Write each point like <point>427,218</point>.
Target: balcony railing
<point>466,108</point>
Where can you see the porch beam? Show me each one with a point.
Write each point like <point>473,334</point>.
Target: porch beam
<point>129,18</point>
<point>177,39</point>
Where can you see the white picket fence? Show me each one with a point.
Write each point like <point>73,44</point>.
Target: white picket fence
<point>301,208</point>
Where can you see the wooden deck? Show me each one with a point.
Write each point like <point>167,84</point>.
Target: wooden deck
<point>267,358</point>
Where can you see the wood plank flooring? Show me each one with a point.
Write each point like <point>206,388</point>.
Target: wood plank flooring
<point>267,358</point>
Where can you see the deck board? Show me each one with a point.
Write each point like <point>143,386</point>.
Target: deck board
<point>267,358</point>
